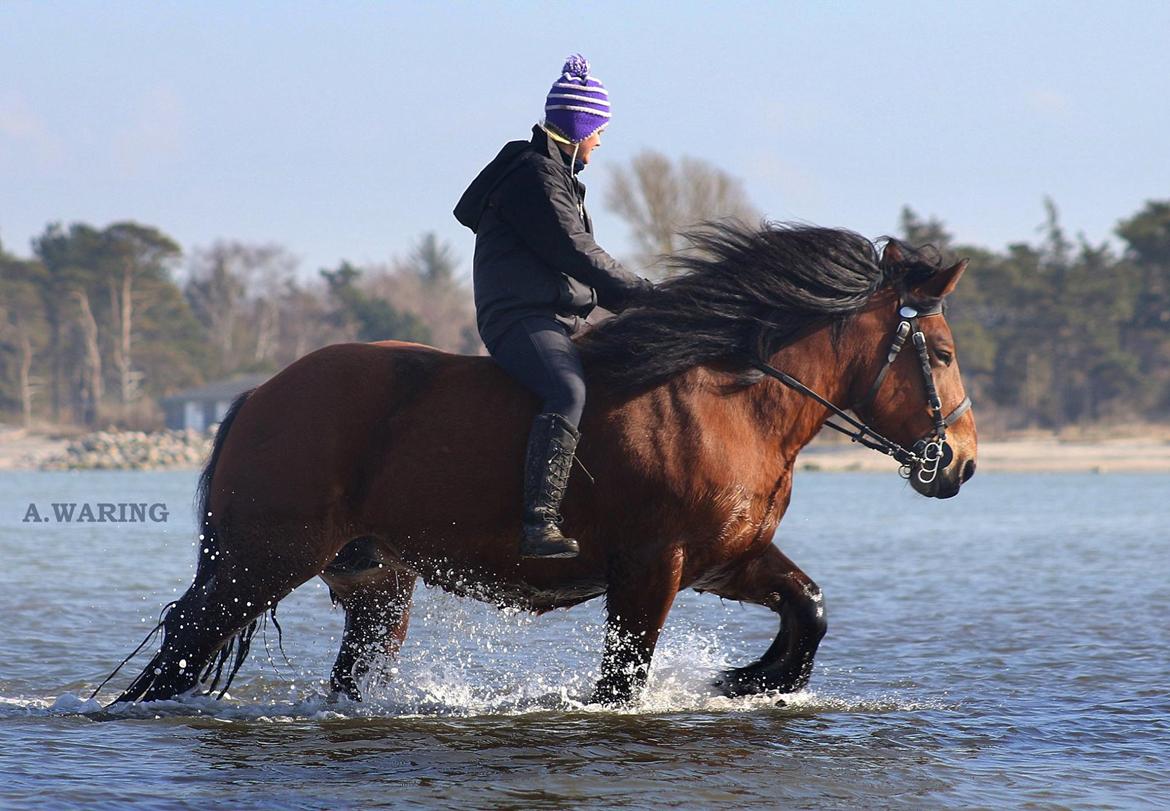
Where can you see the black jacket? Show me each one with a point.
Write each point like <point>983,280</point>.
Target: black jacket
<point>534,247</point>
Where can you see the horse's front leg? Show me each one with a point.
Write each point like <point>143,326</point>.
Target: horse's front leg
<point>772,580</point>
<point>639,597</point>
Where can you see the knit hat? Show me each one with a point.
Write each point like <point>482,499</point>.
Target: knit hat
<point>577,105</point>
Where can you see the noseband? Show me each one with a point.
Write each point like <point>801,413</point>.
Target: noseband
<point>929,454</point>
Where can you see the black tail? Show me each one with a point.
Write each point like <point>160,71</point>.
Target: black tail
<point>208,540</point>
<point>163,677</point>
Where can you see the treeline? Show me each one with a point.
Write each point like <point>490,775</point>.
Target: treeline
<point>1064,332</point>
<point>1050,334</point>
<point>99,323</point>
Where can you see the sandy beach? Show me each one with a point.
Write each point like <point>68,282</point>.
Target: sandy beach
<point>25,450</point>
<point>1030,455</point>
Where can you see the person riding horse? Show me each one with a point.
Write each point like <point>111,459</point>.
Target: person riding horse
<point>537,273</point>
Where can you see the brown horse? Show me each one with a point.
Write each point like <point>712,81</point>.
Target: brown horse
<point>371,465</point>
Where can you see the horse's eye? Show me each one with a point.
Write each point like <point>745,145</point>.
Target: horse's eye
<point>944,357</point>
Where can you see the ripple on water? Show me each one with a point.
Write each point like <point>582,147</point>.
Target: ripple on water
<point>976,657</point>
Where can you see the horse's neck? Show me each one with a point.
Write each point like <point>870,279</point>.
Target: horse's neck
<point>787,419</point>
<point>753,432</point>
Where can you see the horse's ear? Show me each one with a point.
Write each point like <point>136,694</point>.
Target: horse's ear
<point>892,253</point>
<point>941,284</point>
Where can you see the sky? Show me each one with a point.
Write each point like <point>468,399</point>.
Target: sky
<point>347,130</point>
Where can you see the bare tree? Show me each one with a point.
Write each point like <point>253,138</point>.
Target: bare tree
<point>23,329</point>
<point>305,323</point>
<point>660,200</point>
<point>135,254</point>
<point>427,285</point>
<point>28,384</point>
<point>268,275</point>
<point>215,291</point>
<point>235,289</point>
<point>20,319</point>
<point>90,390</point>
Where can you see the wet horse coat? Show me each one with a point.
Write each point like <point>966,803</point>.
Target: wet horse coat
<point>372,465</point>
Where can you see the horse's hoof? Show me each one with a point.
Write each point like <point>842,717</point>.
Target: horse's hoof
<point>344,689</point>
<point>611,699</point>
<point>747,681</point>
<point>738,682</point>
<point>612,695</point>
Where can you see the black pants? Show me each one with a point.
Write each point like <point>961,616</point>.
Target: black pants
<point>537,351</point>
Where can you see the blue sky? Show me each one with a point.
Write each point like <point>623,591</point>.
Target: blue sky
<point>346,130</point>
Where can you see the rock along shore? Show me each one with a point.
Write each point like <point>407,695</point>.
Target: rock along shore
<point>160,450</point>
<point>133,450</point>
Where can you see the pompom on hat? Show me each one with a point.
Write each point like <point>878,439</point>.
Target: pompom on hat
<point>577,105</point>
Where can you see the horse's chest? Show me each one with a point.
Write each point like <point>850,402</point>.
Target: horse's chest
<point>739,518</point>
<point>732,523</point>
<point>734,512</point>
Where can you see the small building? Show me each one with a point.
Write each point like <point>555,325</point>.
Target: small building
<point>203,406</point>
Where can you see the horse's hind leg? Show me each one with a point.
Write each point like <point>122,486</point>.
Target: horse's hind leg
<point>637,602</point>
<point>774,581</point>
<point>216,617</point>
<point>376,595</point>
<point>209,629</point>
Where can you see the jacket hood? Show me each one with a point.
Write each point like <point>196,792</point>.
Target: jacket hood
<point>469,210</point>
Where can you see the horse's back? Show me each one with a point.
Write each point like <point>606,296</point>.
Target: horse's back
<point>373,380</point>
<point>405,421</point>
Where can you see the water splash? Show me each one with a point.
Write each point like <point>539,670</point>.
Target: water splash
<point>464,659</point>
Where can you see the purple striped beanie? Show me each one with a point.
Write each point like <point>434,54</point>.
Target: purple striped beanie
<point>578,104</point>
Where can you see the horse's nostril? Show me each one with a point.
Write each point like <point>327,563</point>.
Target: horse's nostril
<point>968,469</point>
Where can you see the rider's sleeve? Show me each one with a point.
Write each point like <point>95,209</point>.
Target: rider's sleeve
<point>550,224</point>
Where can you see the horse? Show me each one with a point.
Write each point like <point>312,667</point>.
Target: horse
<point>374,465</point>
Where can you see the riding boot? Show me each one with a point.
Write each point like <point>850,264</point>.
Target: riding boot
<point>547,465</point>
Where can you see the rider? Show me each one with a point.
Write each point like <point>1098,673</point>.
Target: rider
<point>537,274</point>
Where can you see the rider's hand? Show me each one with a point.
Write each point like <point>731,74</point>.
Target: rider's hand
<point>644,294</point>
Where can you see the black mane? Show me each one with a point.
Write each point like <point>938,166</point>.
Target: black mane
<point>745,291</point>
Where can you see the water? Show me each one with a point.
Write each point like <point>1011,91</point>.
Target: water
<point>1006,648</point>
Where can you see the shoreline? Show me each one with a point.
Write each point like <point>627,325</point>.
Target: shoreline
<point>1031,455</point>
<point>24,450</point>
<point>102,450</point>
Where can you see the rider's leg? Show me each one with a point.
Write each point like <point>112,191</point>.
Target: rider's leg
<point>539,353</point>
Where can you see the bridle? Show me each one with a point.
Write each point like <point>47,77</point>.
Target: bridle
<point>929,454</point>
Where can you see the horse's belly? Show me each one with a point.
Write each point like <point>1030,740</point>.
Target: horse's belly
<point>539,593</point>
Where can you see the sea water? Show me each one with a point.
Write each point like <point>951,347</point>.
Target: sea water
<point>1009,647</point>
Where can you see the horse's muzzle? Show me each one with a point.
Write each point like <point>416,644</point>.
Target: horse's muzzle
<point>953,470</point>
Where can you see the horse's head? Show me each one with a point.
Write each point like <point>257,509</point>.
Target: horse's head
<point>908,385</point>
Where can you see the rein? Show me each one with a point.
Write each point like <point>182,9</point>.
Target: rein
<point>930,453</point>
